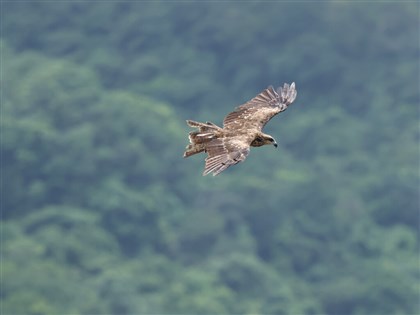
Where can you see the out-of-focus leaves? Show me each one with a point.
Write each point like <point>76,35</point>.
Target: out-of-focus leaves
<point>103,215</point>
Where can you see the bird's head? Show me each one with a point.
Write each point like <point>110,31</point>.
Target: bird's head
<point>270,140</point>
<point>263,139</point>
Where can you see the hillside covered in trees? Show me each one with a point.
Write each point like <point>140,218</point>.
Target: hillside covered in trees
<point>102,215</point>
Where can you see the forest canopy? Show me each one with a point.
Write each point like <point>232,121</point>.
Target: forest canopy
<point>102,215</point>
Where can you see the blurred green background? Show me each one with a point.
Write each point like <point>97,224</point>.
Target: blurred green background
<point>102,215</point>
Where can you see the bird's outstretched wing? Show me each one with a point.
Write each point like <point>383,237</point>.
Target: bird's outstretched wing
<point>223,153</point>
<point>258,111</point>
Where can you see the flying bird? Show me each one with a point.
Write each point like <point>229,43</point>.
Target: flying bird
<point>241,130</point>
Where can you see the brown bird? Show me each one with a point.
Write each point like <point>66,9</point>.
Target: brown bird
<point>241,130</point>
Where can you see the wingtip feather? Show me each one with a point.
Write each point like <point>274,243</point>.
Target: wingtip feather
<point>287,93</point>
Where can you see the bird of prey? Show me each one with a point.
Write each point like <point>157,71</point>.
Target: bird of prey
<point>241,130</point>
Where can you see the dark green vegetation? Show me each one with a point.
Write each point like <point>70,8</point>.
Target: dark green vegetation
<point>102,215</point>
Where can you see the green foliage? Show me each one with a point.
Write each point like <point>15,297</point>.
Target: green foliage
<point>100,213</point>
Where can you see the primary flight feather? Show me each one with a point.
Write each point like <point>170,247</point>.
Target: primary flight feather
<point>241,130</point>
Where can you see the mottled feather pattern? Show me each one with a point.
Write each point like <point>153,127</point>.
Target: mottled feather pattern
<point>258,111</point>
<point>223,153</point>
<point>242,128</point>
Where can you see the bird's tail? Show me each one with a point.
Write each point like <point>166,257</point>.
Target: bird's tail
<point>199,138</point>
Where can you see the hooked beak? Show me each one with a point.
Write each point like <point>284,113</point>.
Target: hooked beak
<point>275,144</point>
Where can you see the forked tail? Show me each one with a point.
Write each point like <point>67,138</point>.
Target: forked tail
<point>201,137</point>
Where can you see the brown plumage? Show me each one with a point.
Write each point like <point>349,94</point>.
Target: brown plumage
<point>241,130</point>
